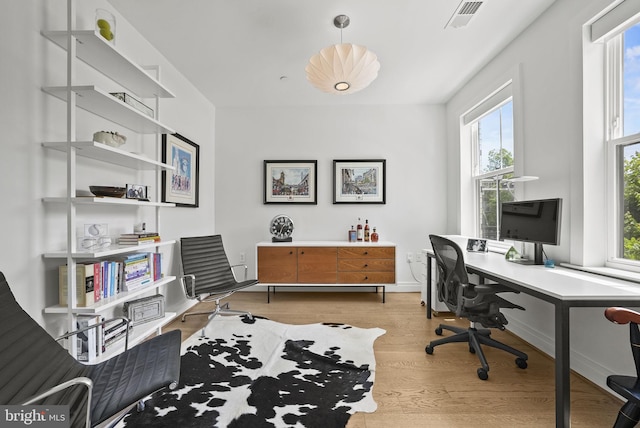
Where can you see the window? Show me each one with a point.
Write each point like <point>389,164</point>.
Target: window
<point>492,141</point>
<point>623,145</point>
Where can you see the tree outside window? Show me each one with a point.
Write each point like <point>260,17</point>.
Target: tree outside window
<point>493,165</point>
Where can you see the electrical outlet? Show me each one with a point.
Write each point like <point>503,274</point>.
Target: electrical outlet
<point>409,257</point>
<point>242,257</point>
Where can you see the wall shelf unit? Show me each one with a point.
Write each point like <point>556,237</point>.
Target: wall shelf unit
<point>107,252</point>
<point>95,51</point>
<point>113,155</point>
<point>91,48</point>
<point>99,200</point>
<point>101,103</point>
<point>109,302</point>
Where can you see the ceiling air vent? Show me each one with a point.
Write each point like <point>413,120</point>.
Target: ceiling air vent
<point>463,14</point>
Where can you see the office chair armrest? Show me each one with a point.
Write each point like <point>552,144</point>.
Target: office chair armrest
<point>246,269</point>
<point>125,320</point>
<point>62,386</point>
<point>622,315</point>
<point>185,286</point>
<point>476,295</point>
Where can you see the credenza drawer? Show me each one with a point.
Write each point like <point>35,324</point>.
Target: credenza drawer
<point>366,265</point>
<point>366,252</point>
<point>366,277</point>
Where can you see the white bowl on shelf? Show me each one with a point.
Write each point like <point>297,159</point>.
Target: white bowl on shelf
<point>112,139</point>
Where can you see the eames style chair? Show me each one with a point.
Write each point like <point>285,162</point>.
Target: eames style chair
<point>479,303</point>
<point>627,386</point>
<point>36,370</point>
<point>208,276</point>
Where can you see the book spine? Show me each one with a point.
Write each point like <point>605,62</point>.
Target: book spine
<point>157,266</point>
<point>89,284</point>
<point>87,340</point>
<point>97,282</point>
<point>81,286</point>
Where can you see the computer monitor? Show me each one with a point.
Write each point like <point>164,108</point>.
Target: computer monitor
<point>536,221</point>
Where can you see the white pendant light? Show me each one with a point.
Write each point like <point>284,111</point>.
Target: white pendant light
<point>344,68</point>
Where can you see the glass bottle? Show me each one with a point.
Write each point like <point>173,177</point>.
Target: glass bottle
<point>366,231</point>
<point>374,235</point>
<point>360,232</point>
<point>352,234</point>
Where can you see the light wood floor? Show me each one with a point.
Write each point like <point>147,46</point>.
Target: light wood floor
<point>413,389</point>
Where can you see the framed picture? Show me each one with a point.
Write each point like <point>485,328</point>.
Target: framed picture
<point>290,182</point>
<point>477,245</point>
<point>359,181</point>
<point>180,186</point>
<point>137,191</point>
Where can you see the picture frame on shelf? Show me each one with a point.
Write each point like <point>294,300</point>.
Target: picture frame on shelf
<point>136,191</point>
<point>182,185</point>
<point>359,181</point>
<point>290,182</point>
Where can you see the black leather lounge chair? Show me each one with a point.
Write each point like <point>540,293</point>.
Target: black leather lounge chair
<point>36,369</point>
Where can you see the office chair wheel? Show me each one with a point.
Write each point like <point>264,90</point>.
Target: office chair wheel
<point>483,374</point>
<point>439,331</point>
<point>521,363</point>
<point>472,349</point>
<point>429,349</point>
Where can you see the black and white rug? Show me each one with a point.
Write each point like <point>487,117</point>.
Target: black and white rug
<point>263,373</point>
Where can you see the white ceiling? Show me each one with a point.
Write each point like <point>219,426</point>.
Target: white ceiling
<point>236,51</point>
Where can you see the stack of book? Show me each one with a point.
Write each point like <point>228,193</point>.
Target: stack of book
<point>113,333</point>
<point>138,238</point>
<point>138,271</point>
<point>103,279</point>
<point>93,342</point>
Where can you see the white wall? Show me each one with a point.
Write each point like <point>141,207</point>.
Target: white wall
<point>29,117</point>
<point>410,138</point>
<point>549,53</point>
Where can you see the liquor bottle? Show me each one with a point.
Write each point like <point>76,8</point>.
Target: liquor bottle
<point>366,231</point>
<point>360,232</point>
<point>374,235</point>
<point>352,234</point>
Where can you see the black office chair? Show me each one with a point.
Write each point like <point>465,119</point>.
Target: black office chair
<point>208,276</point>
<point>627,386</point>
<point>36,370</point>
<point>478,303</point>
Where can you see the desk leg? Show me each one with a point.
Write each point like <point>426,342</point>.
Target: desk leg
<point>563,378</point>
<point>429,286</point>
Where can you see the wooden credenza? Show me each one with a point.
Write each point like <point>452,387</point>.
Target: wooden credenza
<point>326,263</point>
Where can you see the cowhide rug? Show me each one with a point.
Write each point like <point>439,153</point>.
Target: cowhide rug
<point>262,373</point>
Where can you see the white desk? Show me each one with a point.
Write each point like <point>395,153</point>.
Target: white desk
<point>564,288</point>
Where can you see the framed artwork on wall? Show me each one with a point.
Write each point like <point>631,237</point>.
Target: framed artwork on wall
<point>290,182</point>
<point>359,181</point>
<point>180,186</point>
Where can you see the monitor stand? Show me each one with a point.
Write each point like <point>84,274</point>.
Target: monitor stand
<point>538,258</point>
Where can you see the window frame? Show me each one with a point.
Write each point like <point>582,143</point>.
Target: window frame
<point>615,142</point>
<point>489,105</point>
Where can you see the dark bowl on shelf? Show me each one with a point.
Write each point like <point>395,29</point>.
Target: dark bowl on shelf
<point>111,191</point>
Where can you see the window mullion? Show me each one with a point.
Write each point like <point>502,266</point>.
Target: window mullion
<point>615,95</point>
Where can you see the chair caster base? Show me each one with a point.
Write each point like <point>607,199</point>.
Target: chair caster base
<point>483,374</point>
<point>521,363</point>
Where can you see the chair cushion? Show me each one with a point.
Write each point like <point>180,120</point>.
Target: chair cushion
<point>127,377</point>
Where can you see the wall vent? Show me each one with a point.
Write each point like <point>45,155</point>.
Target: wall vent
<point>463,14</point>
